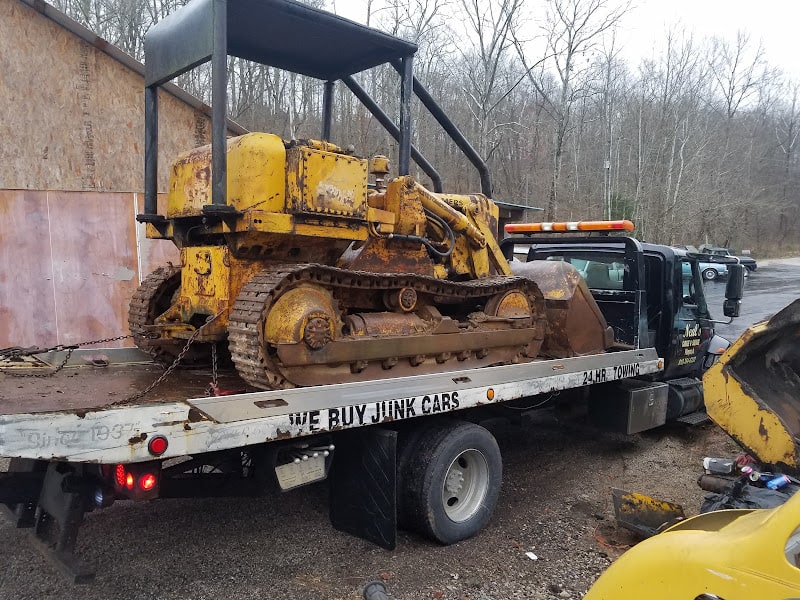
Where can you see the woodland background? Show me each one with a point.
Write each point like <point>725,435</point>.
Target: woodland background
<point>697,144</point>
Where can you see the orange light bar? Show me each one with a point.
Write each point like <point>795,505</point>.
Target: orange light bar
<point>623,225</point>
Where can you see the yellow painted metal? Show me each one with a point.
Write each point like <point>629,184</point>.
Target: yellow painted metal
<point>210,281</point>
<point>326,183</point>
<point>151,232</point>
<point>289,317</point>
<point>753,391</point>
<point>512,305</point>
<point>730,554</point>
<point>256,176</point>
<point>402,199</point>
<point>644,514</point>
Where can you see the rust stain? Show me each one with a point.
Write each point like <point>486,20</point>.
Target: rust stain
<point>762,430</point>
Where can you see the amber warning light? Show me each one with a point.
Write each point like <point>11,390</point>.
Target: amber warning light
<point>623,225</point>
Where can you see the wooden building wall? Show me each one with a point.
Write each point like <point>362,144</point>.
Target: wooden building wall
<point>71,177</point>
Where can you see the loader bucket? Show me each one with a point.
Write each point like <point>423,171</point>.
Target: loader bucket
<point>753,391</point>
<point>575,325</point>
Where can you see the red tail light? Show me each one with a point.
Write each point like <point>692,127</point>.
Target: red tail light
<point>119,475</point>
<point>157,445</point>
<point>147,482</point>
<point>137,481</point>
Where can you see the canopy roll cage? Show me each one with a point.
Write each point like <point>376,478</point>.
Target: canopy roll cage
<point>293,37</point>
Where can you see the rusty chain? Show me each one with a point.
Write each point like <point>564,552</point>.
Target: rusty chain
<point>16,351</point>
<point>168,371</point>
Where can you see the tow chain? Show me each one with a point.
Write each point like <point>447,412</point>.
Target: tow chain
<point>214,384</point>
<point>16,352</point>
<point>168,371</point>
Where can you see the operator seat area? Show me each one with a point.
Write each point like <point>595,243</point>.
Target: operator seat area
<point>597,276</point>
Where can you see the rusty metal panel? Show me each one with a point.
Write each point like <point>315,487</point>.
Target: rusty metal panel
<point>27,303</point>
<point>327,183</point>
<point>94,264</point>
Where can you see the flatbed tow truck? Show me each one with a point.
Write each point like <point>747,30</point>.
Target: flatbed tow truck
<point>80,449</point>
<point>84,437</point>
<point>407,450</point>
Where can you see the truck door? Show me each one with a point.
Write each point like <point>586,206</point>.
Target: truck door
<point>690,327</point>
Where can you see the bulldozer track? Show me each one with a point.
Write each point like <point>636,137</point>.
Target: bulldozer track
<point>141,308</point>
<point>144,308</point>
<point>257,296</point>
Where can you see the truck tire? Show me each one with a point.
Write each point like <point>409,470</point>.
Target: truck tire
<point>450,488</point>
<point>709,274</point>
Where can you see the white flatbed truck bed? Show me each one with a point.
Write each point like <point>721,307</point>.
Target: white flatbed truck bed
<point>81,439</point>
<point>83,416</point>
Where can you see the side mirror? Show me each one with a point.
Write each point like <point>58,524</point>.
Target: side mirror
<point>735,288</point>
<point>734,291</point>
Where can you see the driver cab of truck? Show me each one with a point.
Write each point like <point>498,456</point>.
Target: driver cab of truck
<point>651,295</point>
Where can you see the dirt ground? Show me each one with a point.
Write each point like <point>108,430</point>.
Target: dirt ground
<point>555,503</point>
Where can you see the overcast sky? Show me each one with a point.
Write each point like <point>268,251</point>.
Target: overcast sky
<point>775,22</point>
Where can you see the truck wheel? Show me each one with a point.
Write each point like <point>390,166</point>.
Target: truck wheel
<point>452,485</point>
<point>709,274</point>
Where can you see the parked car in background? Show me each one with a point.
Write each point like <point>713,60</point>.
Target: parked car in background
<point>711,271</point>
<point>718,254</point>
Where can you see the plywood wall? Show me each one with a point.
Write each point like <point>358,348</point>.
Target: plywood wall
<point>69,264</point>
<point>72,117</point>
<point>71,177</point>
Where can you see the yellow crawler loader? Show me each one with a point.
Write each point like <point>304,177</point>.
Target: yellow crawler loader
<point>308,263</point>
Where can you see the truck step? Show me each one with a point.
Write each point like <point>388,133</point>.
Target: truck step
<point>696,418</point>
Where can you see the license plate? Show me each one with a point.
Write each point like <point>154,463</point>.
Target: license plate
<point>294,474</point>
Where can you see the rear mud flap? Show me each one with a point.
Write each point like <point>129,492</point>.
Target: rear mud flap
<point>363,498</point>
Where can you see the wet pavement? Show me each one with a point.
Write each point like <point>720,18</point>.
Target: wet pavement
<point>773,286</point>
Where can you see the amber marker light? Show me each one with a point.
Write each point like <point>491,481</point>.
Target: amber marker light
<point>490,394</point>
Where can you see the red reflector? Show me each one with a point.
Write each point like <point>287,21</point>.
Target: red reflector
<point>119,475</point>
<point>158,445</point>
<point>147,482</point>
<point>129,481</point>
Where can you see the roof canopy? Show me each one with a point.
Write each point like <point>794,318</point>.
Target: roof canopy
<point>280,33</point>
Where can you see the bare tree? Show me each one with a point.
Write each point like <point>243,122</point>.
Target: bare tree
<point>573,28</point>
